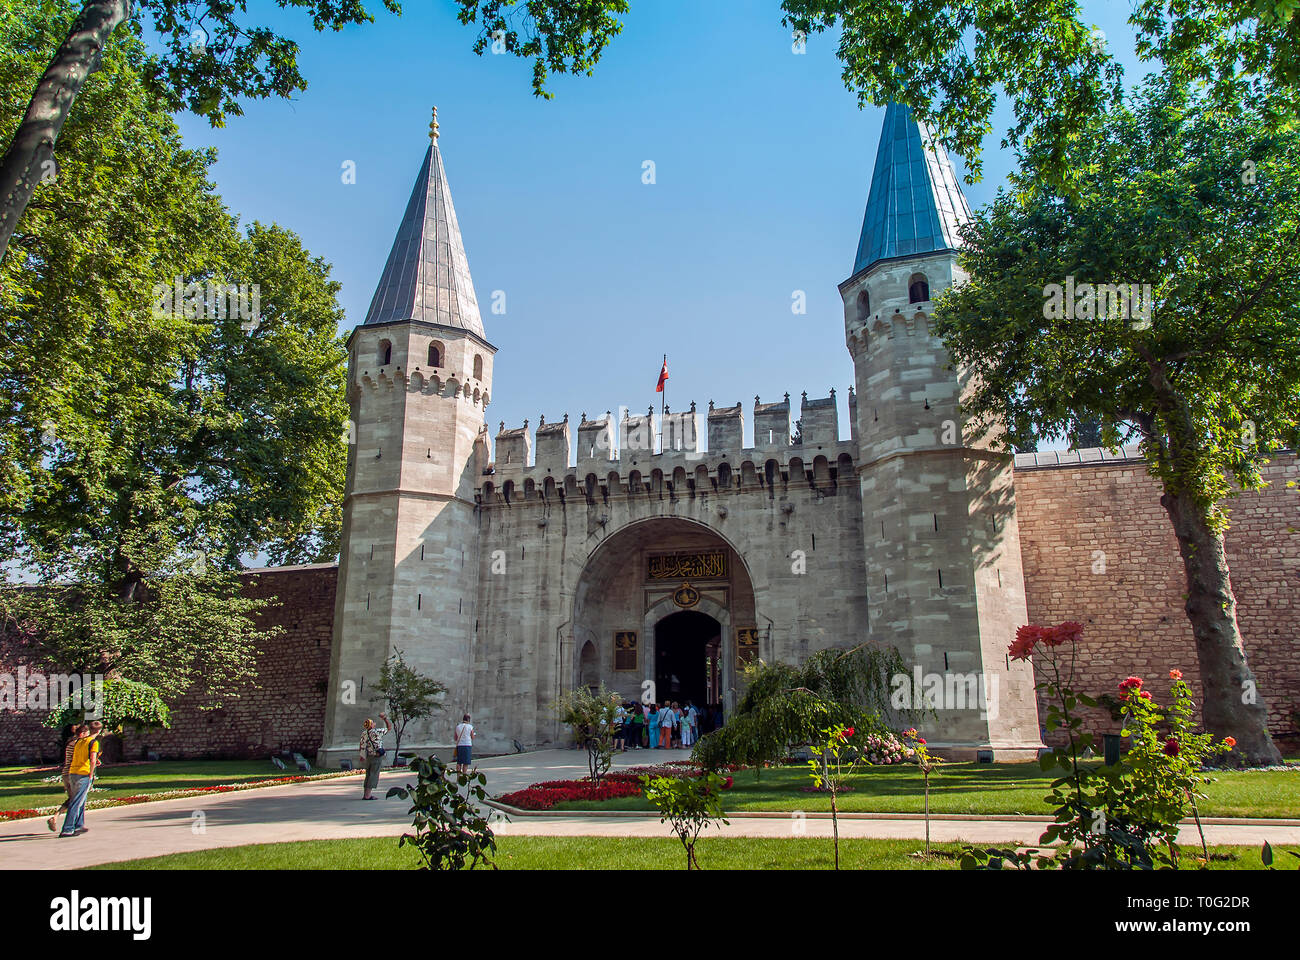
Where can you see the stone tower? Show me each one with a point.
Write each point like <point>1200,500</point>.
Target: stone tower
<point>419,379</point>
<point>944,578</point>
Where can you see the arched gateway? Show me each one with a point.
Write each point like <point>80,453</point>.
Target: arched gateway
<point>667,604</point>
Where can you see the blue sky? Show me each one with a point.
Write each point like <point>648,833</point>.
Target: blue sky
<point>762,159</point>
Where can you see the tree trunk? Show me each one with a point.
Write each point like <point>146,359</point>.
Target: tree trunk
<point>28,157</point>
<point>835,826</point>
<point>927,813</point>
<point>1231,704</point>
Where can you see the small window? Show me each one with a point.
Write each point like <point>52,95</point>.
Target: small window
<point>864,305</point>
<point>918,289</point>
<point>435,354</point>
<point>385,353</point>
<point>478,367</point>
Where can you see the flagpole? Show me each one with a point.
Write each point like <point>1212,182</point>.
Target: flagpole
<point>663,406</point>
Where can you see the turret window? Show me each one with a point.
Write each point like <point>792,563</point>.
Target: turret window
<point>478,367</point>
<point>435,354</point>
<point>918,289</point>
<point>864,305</point>
<point>385,352</point>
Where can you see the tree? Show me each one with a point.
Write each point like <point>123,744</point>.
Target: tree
<point>592,717</point>
<point>689,804</point>
<point>124,704</point>
<point>410,695</point>
<point>147,446</point>
<point>210,58</point>
<point>827,769</point>
<point>948,59</point>
<point>1202,205</point>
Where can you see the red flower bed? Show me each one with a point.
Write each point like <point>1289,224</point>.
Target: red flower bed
<point>543,796</point>
<point>16,814</point>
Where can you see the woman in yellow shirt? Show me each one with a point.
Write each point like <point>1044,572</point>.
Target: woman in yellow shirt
<point>85,757</point>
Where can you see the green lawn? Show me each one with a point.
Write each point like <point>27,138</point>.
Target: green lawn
<point>24,791</point>
<point>613,853</point>
<point>969,788</point>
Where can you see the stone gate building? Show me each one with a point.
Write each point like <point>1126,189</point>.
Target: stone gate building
<point>652,564</point>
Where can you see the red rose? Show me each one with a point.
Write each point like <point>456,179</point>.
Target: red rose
<point>1132,683</point>
<point>1171,747</point>
<point>1026,637</point>
<point>1175,674</point>
<point>1068,632</point>
<point>726,784</point>
<point>1229,742</point>
<point>920,739</point>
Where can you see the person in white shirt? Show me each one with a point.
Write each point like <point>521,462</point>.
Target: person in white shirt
<point>464,744</point>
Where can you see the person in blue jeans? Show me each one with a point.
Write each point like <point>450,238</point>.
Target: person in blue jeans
<point>85,756</point>
<point>74,821</point>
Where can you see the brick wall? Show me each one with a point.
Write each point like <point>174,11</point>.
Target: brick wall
<point>1098,548</point>
<point>286,710</point>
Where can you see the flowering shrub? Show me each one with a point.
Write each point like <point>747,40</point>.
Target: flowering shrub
<point>657,770</point>
<point>1118,817</point>
<point>882,749</point>
<point>1150,791</point>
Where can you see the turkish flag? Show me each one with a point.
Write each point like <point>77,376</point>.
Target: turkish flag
<point>663,375</point>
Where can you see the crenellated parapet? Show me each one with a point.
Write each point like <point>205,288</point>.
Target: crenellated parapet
<point>423,383</point>
<point>900,322</point>
<point>659,455</point>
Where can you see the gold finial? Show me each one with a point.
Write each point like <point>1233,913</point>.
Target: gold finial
<point>433,127</point>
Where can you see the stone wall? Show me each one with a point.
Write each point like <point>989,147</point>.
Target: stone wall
<point>1098,548</point>
<point>285,711</point>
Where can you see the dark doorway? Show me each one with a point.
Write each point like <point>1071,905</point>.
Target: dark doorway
<point>681,656</point>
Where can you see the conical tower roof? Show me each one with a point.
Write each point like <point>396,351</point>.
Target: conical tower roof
<point>916,205</point>
<point>427,274</point>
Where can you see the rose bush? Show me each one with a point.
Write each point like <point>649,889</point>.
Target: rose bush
<point>884,749</point>
<point>1119,817</point>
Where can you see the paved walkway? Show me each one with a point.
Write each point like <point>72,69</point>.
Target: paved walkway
<point>331,809</point>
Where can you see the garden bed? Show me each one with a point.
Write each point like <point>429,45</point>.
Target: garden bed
<point>617,785</point>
